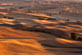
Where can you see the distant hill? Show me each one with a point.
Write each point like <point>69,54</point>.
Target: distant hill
<point>24,1</point>
<point>36,0</point>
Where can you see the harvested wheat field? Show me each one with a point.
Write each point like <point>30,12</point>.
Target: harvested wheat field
<point>40,27</point>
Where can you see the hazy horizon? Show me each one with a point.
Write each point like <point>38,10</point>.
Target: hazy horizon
<point>41,0</point>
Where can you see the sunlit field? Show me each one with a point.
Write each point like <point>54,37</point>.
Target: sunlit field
<point>40,27</point>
